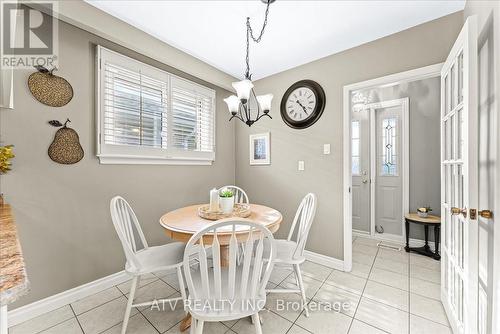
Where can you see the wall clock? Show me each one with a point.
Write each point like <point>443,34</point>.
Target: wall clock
<point>302,104</point>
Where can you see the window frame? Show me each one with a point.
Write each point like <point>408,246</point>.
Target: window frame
<point>130,154</point>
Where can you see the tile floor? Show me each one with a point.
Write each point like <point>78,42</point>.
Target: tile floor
<point>387,292</point>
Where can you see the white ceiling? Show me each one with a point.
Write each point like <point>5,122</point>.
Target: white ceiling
<point>298,31</point>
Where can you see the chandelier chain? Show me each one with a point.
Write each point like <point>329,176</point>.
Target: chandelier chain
<point>255,39</point>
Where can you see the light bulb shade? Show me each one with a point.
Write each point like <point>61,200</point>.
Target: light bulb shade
<point>243,89</point>
<point>233,103</point>
<point>265,102</point>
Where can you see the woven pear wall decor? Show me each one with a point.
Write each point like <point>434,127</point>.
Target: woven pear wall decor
<point>48,88</point>
<point>65,148</point>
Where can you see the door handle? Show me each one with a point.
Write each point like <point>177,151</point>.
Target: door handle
<point>364,181</point>
<point>457,211</point>
<point>486,214</point>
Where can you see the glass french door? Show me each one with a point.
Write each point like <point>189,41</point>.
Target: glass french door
<point>459,181</point>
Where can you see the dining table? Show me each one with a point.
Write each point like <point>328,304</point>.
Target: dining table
<point>181,224</point>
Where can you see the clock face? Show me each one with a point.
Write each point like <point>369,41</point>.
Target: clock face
<point>302,104</point>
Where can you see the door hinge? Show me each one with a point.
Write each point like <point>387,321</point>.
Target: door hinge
<point>473,214</point>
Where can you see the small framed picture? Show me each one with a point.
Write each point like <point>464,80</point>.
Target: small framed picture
<point>260,149</point>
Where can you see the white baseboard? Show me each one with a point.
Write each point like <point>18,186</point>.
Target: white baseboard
<point>30,311</point>
<point>393,239</point>
<point>324,260</point>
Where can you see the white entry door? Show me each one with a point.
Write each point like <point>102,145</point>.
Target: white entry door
<point>459,181</point>
<point>389,153</point>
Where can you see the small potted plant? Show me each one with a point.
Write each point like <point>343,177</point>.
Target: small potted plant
<point>226,200</point>
<point>424,211</point>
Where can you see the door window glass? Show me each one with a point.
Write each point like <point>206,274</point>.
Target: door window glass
<point>389,138</point>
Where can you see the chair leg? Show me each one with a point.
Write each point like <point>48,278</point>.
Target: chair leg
<point>199,327</point>
<point>181,286</point>
<point>256,323</point>
<point>301,287</point>
<point>129,304</point>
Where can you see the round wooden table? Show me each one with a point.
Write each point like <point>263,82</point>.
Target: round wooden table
<point>182,223</point>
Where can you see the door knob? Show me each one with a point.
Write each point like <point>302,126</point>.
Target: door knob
<point>486,214</point>
<point>364,181</point>
<point>457,211</point>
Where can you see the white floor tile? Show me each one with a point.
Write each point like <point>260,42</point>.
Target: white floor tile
<point>325,321</point>
<point>430,309</point>
<point>272,324</point>
<point>297,330</point>
<point>87,303</point>
<point>425,288</point>
<point>208,328</point>
<point>394,255</point>
<point>391,265</point>
<point>145,279</point>
<point>311,285</point>
<point>280,273</point>
<point>332,294</point>
<point>153,291</point>
<point>171,279</point>
<point>361,270</point>
<point>365,249</point>
<point>387,295</point>
<point>346,281</point>
<point>390,278</point>
<point>314,270</point>
<point>287,305</point>
<point>137,324</point>
<point>70,326</point>
<point>43,321</point>
<point>425,261</point>
<point>358,327</point>
<point>425,274</point>
<point>166,318</point>
<point>104,316</point>
<point>362,258</point>
<point>420,325</point>
<point>382,316</point>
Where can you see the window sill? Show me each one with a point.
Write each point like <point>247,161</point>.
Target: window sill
<point>113,159</point>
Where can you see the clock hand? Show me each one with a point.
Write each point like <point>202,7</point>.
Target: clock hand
<point>303,108</point>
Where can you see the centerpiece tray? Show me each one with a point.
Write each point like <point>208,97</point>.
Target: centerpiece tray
<point>241,210</point>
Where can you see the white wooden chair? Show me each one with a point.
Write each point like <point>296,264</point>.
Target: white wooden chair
<point>143,260</point>
<point>235,291</point>
<point>240,196</point>
<point>290,252</point>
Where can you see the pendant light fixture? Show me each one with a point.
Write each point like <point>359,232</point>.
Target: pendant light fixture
<point>245,105</point>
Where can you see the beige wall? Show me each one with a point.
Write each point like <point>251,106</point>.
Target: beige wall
<point>62,212</point>
<point>281,185</point>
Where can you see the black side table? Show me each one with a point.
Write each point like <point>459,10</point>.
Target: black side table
<point>430,220</point>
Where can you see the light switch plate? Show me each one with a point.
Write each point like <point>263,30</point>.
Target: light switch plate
<point>326,148</point>
<point>301,165</point>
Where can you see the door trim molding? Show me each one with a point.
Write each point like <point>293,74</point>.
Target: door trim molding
<point>405,154</point>
<point>392,79</point>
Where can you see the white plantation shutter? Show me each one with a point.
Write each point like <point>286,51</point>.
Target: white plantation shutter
<point>134,108</point>
<point>146,115</point>
<point>192,116</point>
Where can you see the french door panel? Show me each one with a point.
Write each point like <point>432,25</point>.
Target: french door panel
<point>459,181</point>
